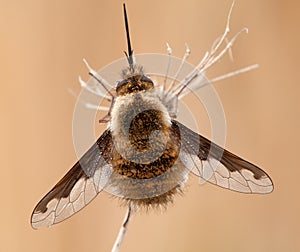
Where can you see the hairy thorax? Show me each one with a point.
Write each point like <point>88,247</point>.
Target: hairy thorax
<point>144,145</point>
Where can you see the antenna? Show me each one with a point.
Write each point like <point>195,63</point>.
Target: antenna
<point>129,53</point>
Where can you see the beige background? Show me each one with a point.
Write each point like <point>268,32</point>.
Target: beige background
<point>42,44</point>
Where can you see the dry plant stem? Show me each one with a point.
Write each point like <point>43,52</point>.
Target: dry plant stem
<point>239,71</point>
<point>122,231</point>
<point>225,76</point>
<point>98,78</point>
<point>183,60</point>
<point>169,50</point>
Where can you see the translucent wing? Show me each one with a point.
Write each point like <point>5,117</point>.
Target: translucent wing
<point>78,187</point>
<point>221,167</point>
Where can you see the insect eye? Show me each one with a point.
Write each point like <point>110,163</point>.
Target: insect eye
<point>146,79</point>
<point>121,83</point>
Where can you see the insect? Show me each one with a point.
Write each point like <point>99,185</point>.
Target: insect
<point>145,155</point>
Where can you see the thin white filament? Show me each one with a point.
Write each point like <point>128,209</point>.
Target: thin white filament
<point>122,231</point>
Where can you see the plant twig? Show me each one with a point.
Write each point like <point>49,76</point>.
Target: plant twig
<point>122,231</point>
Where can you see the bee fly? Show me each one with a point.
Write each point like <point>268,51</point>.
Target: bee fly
<point>145,156</point>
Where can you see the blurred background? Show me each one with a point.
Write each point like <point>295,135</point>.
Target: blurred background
<point>42,46</point>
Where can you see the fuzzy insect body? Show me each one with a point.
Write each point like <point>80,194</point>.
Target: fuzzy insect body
<point>145,155</point>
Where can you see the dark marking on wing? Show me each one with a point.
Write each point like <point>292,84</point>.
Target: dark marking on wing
<point>85,168</point>
<point>197,145</point>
